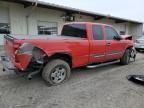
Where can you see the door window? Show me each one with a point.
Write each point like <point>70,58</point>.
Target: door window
<point>111,33</point>
<point>97,32</point>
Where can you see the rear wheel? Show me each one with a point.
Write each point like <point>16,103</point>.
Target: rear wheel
<point>56,72</point>
<point>126,58</point>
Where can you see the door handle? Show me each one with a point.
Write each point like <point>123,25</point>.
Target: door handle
<point>108,44</point>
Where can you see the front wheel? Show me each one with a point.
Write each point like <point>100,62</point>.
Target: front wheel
<point>126,58</point>
<point>138,50</point>
<point>56,72</point>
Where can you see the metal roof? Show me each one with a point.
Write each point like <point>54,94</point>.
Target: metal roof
<point>70,10</point>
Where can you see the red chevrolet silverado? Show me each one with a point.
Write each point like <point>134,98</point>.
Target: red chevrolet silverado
<point>80,44</point>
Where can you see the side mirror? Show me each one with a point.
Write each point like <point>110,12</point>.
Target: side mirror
<point>117,38</point>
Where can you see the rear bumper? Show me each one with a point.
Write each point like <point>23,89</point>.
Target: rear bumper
<point>8,66</point>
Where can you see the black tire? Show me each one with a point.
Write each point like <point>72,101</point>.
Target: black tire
<point>138,50</point>
<point>51,72</point>
<point>126,58</point>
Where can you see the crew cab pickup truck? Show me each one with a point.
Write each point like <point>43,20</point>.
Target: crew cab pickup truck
<point>80,44</point>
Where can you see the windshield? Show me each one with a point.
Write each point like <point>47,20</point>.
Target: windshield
<point>74,30</point>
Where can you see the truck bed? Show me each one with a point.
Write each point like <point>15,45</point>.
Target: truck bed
<point>23,37</point>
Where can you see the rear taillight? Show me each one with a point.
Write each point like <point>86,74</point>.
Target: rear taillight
<point>16,45</point>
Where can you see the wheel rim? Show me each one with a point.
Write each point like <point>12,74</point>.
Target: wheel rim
<point>58,75</point>
<point>132,53</point>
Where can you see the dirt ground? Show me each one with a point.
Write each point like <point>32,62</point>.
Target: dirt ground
<point>103,87</point>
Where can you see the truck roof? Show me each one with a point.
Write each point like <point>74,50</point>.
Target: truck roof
<point>88,23</point>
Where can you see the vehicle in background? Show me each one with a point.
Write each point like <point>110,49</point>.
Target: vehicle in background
<point>139,44</point>
<point>80,44</point>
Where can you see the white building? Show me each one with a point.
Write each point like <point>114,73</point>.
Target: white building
<point>27,18</point>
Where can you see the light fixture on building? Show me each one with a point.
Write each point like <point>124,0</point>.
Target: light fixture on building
<point>108,16</point>
<point>98,17</point>
<point>68,17</point>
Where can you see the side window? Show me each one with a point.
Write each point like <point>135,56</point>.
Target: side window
<point>74,30</point>
<point>111,33</point>
<point>97,32</point>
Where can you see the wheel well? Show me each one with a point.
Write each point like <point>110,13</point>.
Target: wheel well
<point>65,57</point>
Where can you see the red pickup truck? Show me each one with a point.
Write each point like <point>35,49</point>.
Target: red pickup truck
<point>80,44</point>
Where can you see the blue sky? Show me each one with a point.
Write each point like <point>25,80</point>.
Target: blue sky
<point>130,9</point>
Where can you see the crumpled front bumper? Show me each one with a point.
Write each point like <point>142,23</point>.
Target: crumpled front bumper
<point>8,66</point>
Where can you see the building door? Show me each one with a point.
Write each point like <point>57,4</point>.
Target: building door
<point>4,23</point>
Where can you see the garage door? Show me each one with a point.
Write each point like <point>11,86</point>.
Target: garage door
<point>4,23</point>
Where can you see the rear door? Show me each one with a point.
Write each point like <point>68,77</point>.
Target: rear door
<point>114,48</point>
<point>98,44</point>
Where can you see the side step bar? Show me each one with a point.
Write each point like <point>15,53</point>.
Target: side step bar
<point>102,64</point>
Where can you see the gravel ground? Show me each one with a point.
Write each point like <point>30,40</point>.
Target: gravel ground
<point>103,87</point>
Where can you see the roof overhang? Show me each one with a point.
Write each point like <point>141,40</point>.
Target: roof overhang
<point>96,16</point>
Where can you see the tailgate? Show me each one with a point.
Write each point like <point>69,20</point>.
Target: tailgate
<point>9,46</point>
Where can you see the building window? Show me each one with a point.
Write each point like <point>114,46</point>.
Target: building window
<point>122,33</point>
<point>4,28</point>
<point>47,28</point>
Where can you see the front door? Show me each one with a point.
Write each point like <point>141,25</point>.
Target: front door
<point>98,44</point>
<point>114,48</point>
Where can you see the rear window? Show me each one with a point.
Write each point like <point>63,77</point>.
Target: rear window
<point>74,30</point>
